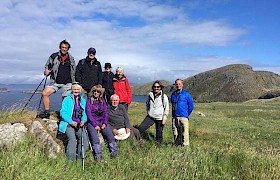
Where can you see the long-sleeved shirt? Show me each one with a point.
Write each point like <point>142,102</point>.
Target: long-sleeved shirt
<point>118,117</point>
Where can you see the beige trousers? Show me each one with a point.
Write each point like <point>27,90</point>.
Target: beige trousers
<point>180,128</point>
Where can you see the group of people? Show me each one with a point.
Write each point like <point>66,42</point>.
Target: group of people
<point>96,101</point>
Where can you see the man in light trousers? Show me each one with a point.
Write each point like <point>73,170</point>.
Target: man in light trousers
<point>182,107</point>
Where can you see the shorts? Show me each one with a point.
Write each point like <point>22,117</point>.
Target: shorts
<point>65,88</point>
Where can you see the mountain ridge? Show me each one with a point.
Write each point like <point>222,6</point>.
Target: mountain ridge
<point>231,83</point>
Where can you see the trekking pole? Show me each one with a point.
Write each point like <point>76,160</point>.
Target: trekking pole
<point>83,149</point>
<point>34,93</point>
<point>41,96</point>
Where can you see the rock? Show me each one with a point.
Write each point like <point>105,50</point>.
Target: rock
<point>200,114</point>
<point>51,147</point>
<point>11,134</point>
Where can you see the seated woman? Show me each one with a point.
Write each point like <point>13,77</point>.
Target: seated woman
<point>73,118</point>
<point>97,114</point>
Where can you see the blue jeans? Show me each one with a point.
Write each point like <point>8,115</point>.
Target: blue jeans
<point>74,146</point>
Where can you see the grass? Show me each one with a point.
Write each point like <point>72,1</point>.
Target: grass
<point>233,141</point>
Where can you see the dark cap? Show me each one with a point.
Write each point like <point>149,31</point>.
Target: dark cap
<point>108,65</point>
<point>91,50</point>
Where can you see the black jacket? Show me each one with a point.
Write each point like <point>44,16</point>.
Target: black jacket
<point>88,73</point>
<point>107,82</point>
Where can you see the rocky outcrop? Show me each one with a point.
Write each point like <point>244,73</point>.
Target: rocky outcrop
<point>45,132</point>
<point>51,147</point>
<point>11,134</point>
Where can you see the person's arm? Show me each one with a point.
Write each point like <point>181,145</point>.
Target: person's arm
<point>105,112</point>
<point>125,115</point>
<point>148,103</point>
<point>89,113</point>
<point>78,74</point>
<point>83,104</point>
<point>165,108</point>
<point>99,74</point>
<point>66,110</point>
<point>190,104</point>
<point>129,92</point>
<point>48,66</point>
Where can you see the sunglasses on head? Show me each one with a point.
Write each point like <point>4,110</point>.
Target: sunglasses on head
<point>74,83</point>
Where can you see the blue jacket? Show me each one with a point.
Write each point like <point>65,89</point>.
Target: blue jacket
<point>66,111</point>
<point>182,104</point>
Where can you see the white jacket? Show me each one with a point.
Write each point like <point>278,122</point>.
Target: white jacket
<point>157,108</point>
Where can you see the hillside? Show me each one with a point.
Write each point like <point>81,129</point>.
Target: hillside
<point>232,83</point>
<point>144,89</point>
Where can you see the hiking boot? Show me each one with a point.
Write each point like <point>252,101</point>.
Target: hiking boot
<point>44,115</point>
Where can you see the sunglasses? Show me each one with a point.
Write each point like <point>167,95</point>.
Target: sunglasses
<point>96,91</point>
<point>156,86</point>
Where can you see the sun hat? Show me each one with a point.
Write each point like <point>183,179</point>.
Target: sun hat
<point>122,135</point>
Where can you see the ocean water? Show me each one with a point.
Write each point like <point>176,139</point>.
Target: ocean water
<point>17,99</point>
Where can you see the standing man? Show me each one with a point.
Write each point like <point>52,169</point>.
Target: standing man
<point>182,107</point>
<point>61,68</point>
<point>89,72</point>
<point>122,88</point>
<point>107,82</point>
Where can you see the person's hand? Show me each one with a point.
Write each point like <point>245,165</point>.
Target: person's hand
<point>97,128</point>
<point>103,126</point>
<point>74,124</point>
<point>163,121</point>
<point>115,131</point>
<point>47,72</point>
<point>82,123</point>
<point>127,130</point>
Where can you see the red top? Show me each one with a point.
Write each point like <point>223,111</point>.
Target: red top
<point>123,90</point>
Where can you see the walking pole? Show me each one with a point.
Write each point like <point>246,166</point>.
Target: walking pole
<point>33,93</point>
<point>83,149</point>
<point>42,95</point>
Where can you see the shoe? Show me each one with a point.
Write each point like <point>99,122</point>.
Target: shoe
<point>44,115</point>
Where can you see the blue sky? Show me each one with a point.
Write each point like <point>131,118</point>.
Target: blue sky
<point>150,39</point>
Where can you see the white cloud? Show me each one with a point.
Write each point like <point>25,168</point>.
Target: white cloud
<point>132,34</point>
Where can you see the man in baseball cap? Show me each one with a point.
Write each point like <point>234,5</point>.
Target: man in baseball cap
<point>89,71</point>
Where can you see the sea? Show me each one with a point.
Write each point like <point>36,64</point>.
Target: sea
<point>22,98</point>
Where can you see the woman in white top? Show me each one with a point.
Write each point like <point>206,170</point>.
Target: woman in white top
<point>157,107</point>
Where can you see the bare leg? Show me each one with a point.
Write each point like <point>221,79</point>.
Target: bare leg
<point>46,97</point>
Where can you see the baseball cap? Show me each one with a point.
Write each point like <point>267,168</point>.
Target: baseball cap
<point>91,50</point>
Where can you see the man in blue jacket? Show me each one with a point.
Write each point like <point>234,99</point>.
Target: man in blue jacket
<point>182,107</point>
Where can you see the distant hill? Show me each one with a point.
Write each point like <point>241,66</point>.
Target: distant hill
<point>20,86</point>
<point>144,89</point>
<point>232,83</point>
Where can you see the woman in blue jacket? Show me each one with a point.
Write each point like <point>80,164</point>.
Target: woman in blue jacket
<point>73,118</point>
